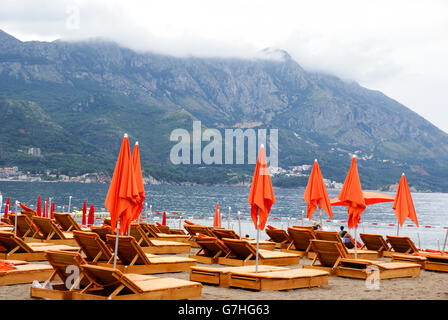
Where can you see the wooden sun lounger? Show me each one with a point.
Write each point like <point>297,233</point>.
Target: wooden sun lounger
<point>242,253</point>
<point>51,232</point>
<point>102,231</point>
<point>401,245</point>
<point>210,250</point>
<point>333,259</point>
<point>436,262</point>
<point>134,260</point>
<point>94,249</point>
<point>157,246</point>
<point>279,236</point>
<point>222,233</point>
<point>375,242</point>
<point>66,267</point>
<point>25,272</point>
<point>152,232</point>
<point>17,249</point>
<point>68,223</point>
<point>26,228</point>
<point>195,229</point>
<point>168,230</point>
<point>334,236</point>
<point>300,241</point>
<point>112,284</point>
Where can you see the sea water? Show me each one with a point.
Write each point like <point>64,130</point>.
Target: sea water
<point>198,203</point>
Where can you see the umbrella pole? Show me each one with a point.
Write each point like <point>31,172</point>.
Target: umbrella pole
<point>117,231</point>
<point>228,220</point>
<point>150,213</point>
<point>419,245</point>
<point>444,242</point>
<point>239,224</point>
<point>258,237</point>
<point>398,228</point>
<point>303,211</point>
<point>69,203</point>
<point>15,219</point>
<point>356,243</point>
<point>320,215</point>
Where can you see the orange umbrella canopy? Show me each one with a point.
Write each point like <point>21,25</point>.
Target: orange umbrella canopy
<point>123,194</point>
<point>316,193</point>
<point>351,194</point>
<point>261,196</point>
<point>369,198</point>
<point>139,180</point>
<point>403,204</point>
<point>217,219</point>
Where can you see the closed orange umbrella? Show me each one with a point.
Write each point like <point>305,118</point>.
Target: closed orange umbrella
<point>84,213</point>
<point>139,180</point>
<point>164,219</point>
<point>217,219</point>
<point>52,210</point>
<point>123,194</point>
<point>352,196</point>
<point>38,206</point>
<point>403,204</point>
<point>316,194</point>
<point>91,218</point>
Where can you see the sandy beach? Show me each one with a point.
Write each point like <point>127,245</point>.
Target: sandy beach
<point>427,286</point>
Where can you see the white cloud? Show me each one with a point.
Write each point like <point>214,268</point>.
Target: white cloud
<point>398,47</point>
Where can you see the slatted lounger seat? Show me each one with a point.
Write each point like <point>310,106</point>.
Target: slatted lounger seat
<point>402,245</point>
<point>210,250</point>
<point>17,249</point>
<point>334,236</point>
<point>333,259</point>
<point>300,241</point>
<point>102,231</point>
<point>222,233</point>
<point>23,272</point>
<point>52,233</point>
<point>375,242</point>
<point>134,260</point>
<point>152,232</point>
<point>279,236</point>
<point>168,230</point>
<point>112,284</point>
<point>63,264</point>
<point>67,223</point>
<point>242,253</point>
<point>157,246</point>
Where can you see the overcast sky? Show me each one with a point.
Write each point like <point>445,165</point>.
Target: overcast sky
<point>397,47</point>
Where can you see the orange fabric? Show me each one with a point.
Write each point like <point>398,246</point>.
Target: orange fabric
<point>7,208</point>
<point>123,191</point>
<point>6,266</point>
<point>316,193</point>
<point>84,211</point>
<point>351,194</point>
<point>52,210</point>
<point>369,198</point>
<point>164,219</point>
<point>261,196</point>
<point>91,218</point>
<point>26,208</point>
<point>188,222</point>
<point>217,219</point>
<point>139,180</point>
<point>271,227</point>
<point>403,204</point>
<point>39,206</point>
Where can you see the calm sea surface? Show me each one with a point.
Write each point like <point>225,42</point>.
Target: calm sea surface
<point>197,203</point>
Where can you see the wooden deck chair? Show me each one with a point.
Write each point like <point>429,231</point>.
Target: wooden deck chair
<point>102,231</point>
<point>112,284</point>
<point>152,232</point>
<point>334,236</point>
<point>279,236</point>
<point>402,245</point>
<point>94,249</point>
<point>168,230</point>
<point>242,252</point>
<point>156,246</point>
<point>66,268</point>
<point>29,214</point>
<point>375,242</point>
<point>5,221</point>
<point>211,249</point>
<point>68,223</point>
<point>107,221</point>
<point>52,233</point>
<point>194,230</point>
<point>222,233</point>
<point>134,260</point>
<point>300,241</point>
<point>21,272</point>
<point>18,249</point>
<point>436,262</point>
<point>333,259</point>
<point>25,227</point>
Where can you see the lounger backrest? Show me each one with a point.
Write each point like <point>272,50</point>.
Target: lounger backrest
<point>163,229</point>
<point>62,260</point>
<point>277,235</point>
<point>225,233</point>
<point>152,230</point>
<point>402,244</point>
<point>301,237</point>
<point>140,236</point>
<point>330,236</point>
<point>109,278</point>
<point>91,244</point>
<point>107,221</point>
<point>24,225</point>
<point>212,246</point>
<point>29,214</point>
<point>305,227</point>
<point>374,242</point>
<point>128,248</point>
<point>328,252</point>
<point>240,248</point>
<point>102,231</point>
<point>9,241</point>
<point>66,221</point>
<point>47,226</point>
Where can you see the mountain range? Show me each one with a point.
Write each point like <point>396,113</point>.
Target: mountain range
<point>74,101</point>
